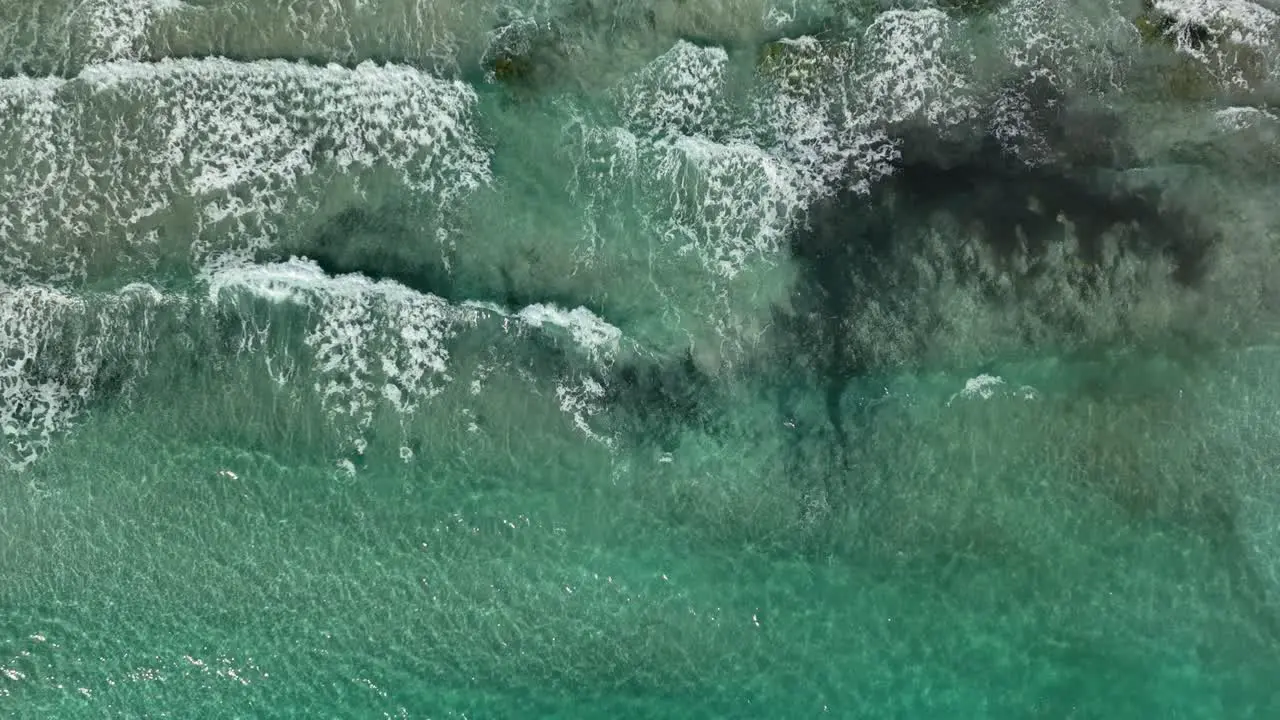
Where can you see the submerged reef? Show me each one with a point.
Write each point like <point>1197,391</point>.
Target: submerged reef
<point>967,220</point>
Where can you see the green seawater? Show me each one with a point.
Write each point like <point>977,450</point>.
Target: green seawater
<point>733,359</point>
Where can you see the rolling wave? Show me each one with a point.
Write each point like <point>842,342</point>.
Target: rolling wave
<point>129,166</point>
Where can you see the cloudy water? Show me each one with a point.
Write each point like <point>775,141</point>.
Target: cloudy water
<point>600,359</point>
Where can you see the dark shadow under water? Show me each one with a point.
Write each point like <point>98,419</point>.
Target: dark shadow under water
<point>849,250</point>
<point>853,248</point>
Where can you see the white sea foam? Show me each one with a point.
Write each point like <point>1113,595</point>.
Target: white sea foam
<point>32,409</point>
<point>815,118</point>
<point>732,199</point>
<point>369,341</point>
<point>985,387</point>
<point>1242,45</point>
<point>829,103</point>
<point>731,203</point>
<point>910,69</point>
<point>364,345</point>
<point>1239,118</point>
<point>117,29</point>
<point>725,205</point>
<point>100,165</point>
<point>581,399</point>
<point>1063,47</point>
<point>1238,21</point>
<point>778,14</point>
<point>723,200</point>
<point>1069,43</point>
<point>678,93</point>
<point>54,347</point>
<point>57,37</point>
<point>594,335</point>
<point>374,342</point>
<point>714,192</point>
<point>36,170</point>
<point>1012,124</point>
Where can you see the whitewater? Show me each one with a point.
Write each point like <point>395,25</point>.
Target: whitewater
<point>592,358</point>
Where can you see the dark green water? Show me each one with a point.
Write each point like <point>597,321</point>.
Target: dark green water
<point>733,359</point>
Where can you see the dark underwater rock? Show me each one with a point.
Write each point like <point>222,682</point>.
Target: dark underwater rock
<point>655,398</point>
<point>973,206</point>
<point>526,55</point>
<point>1020,209</point>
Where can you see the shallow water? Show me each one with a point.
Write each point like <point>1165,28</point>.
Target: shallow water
<point>732,359</point>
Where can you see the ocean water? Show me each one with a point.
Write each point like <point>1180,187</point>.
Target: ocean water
<point>605,359</point>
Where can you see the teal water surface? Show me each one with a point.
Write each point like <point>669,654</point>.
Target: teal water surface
<point>734,359</point>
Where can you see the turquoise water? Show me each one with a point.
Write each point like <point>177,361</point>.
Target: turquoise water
<point>736,359</point>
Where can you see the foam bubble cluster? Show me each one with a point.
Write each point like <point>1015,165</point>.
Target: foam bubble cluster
<point>1239,118</point>
<point>813,115</point>
<point>1240,21</point>
<point>193,157</point>
<point>731,203</point>
<point>722,199</point>
<point>588,331</point>
<point>1235,40</point>
<point>117,29</point>
<point>909,70</point>
<point>678,93</point>
<point>829,104</point>
<point>60,352</point>
<point>59,37</point>
<point>1074,45</point>
<point>369,342</point>
<point>368,345</point>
